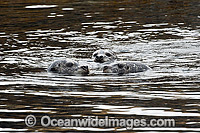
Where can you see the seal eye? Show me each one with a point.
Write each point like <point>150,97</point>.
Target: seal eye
<point>95,55</point>
<point>120,65</point>
<point>127,67</point>
<point>108,54</point>
<point>69,64</point>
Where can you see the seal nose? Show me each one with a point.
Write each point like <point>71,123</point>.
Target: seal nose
<point>84,68</point>
<point>100,57</point>
<point>105,67</point>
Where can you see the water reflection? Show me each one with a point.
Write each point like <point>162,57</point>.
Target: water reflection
<point>161,34</point>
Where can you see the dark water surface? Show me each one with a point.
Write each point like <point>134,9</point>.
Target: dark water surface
<point>164,34</point>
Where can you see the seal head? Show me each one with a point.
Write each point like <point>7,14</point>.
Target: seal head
<point>102,56</point>
<point>122,68</point>
<point>67,67</point>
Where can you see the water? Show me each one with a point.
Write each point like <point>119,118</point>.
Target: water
<point>162,34</point>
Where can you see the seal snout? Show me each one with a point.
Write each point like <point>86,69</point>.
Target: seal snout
<point>85,69</point>
<point>105,68</point>
<point>99,58</point>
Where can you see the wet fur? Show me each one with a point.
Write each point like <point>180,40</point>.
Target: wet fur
<point>125,67</point>
<point>68,67</point>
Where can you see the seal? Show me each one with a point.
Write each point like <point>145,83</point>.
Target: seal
<point>125,67</point>
<point>67,67</point>
<point>104,56</point>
